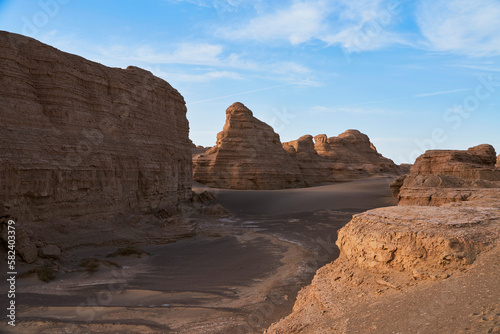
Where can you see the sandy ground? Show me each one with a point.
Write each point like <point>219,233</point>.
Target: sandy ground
<point>238,274</point>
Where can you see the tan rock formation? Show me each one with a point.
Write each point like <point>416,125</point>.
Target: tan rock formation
<point>387,254</point>
<point>347,157</point>
<point>83,141</point>
<point>248,155</point>
<point>443,176</point>
<point>498,161</point>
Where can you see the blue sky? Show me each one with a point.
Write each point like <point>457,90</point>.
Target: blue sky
<point>412,75</point>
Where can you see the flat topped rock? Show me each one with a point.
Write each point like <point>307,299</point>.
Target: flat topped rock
<point>443,176</point>
<point>417,217</point>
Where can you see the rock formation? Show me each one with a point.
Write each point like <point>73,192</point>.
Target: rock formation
<point>386,254</point>
<point>82,141</point>
<point>347,157</point>
<point>443,176</point>
<point>498,161</point>
<point>248,155</point>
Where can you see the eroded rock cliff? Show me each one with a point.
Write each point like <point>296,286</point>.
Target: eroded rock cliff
<point>412,268</point>
<point>442,176</point>
<point>348,157</point>
<point>248,155</point>
<point>82,141</point>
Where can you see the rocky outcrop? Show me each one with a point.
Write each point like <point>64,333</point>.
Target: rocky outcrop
<point>498,161</point>
<point>82,141</point>
<point>442,176</point>
<point>248,155</point>
<point>386,254</point>
<point>348,157</point>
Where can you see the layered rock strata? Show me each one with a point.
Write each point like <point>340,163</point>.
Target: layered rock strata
<point>349,156</point>
<point>248,155</point>
<point>83,141</point>
<point>443,176</point>
<point>393,254</point>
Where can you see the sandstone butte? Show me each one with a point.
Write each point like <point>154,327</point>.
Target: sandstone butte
<point>82,141</point>
<point>429,265</point>
<point>348,157</point>
<point>249,155</point>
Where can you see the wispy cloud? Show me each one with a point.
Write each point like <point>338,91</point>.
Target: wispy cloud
<point>356,26</point>
<point>240,93</point>
<point>221,5</point>
<point>197,78</point>
<point>352,110</point>
<point>301,22</point>
<point>204,61</point>
<point>480,68</point>
<point>443,92</point>
<point>469,27</point>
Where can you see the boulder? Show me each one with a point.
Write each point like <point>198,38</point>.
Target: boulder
<point>50,252</point>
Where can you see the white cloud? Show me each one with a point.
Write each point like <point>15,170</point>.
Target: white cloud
<point>352,110</point>
<point>480,68</point>
<point>198,78</point>
<point>299,23</point>
<point>186,53</point>
<point>356,26</point>
<point>469,27</point>
<point>443,92</point>
<point>202,62</point>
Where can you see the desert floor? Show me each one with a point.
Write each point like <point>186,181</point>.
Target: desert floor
<point>238,274</point>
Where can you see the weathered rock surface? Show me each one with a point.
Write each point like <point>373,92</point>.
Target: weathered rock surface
<point>498,161</point>
<point>391,256</point>
<point>82,141</point>
<point>248,155</point>
<point>442,176</point>
<point>349,156</point>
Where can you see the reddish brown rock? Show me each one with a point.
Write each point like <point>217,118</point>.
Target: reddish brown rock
<point>385,253</point>
<point>248,155</point>
<point>442,176</point>
<point>349,156</point>
<point>82,141</point>
<point>476,163</point>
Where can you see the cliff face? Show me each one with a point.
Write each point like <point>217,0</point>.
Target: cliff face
<point>443,176</point>
<point>397,263</point>
<point>248,155</point>
<point>348,157</point>
<point>81,140</point>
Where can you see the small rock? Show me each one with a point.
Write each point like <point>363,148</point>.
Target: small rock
<point>49,252</point>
